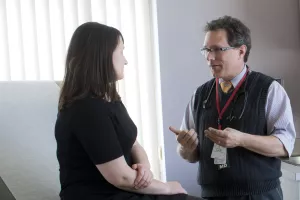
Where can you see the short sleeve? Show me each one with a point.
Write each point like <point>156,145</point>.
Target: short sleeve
<point>188,117</point>
<point>279,116</point>
<point>93,127</point>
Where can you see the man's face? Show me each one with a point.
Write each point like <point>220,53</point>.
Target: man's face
<point>224,64</point>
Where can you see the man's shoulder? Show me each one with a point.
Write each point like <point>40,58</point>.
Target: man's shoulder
<point>203,90</point>
<point>207,84</point>
<point>261,75</point>
<point>260,80</point>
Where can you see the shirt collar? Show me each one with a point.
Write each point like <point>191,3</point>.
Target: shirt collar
<point>236,79</point>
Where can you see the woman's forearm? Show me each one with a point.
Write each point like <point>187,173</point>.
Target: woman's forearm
<point>156,187</point>
<point>127,183</point>
<point>118,173</point>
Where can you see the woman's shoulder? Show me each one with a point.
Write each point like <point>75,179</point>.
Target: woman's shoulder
<point>91,107</point>
<point>91,104</point>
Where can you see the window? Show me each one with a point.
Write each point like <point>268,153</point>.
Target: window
<point>35,34</point>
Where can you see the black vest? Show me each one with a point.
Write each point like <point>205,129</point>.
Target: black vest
<point>249,172</point>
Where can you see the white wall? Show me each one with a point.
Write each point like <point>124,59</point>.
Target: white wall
<point>275,35</point>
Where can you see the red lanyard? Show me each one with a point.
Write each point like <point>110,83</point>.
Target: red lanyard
<point>228,101</point>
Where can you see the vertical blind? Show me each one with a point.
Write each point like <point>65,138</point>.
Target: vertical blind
<point>35,34</point>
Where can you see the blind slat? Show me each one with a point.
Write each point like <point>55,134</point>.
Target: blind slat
<point>146,79</point>
<point>58,38</point>
<point>15,40</point>
<point>31,62</point>
<point>113,10</point>
<point>98,11</point>
<point>44,39</point>
<point>84,11</point>
<point>4,50</point>
<point>70,19</point>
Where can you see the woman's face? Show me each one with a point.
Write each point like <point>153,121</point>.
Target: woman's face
<point>119,60</point>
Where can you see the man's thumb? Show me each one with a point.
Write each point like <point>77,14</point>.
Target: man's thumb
<point>134,166</point>
<point>174,130</point>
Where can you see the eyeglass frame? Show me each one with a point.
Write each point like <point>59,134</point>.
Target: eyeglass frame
<point>205,50</point>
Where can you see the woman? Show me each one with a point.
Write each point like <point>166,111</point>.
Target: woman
<point>97,150</point>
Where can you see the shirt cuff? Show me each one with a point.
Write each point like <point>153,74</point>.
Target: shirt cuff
<point>287,142</point>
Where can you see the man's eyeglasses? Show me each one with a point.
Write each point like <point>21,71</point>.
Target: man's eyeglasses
<point>205,50</point>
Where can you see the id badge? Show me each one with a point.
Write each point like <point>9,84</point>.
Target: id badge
<point>220,156</point>
<point>219,152</point>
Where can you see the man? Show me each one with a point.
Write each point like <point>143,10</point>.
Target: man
<point>238,124</point>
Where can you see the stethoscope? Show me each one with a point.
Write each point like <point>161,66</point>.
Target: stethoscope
<point>241,92</point>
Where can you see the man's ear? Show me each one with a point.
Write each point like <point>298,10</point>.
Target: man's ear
<point>243,50</point>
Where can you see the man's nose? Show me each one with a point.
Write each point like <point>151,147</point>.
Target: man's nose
<point>210,56</point>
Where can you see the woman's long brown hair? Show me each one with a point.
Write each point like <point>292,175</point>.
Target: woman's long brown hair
<point>89,67</point>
